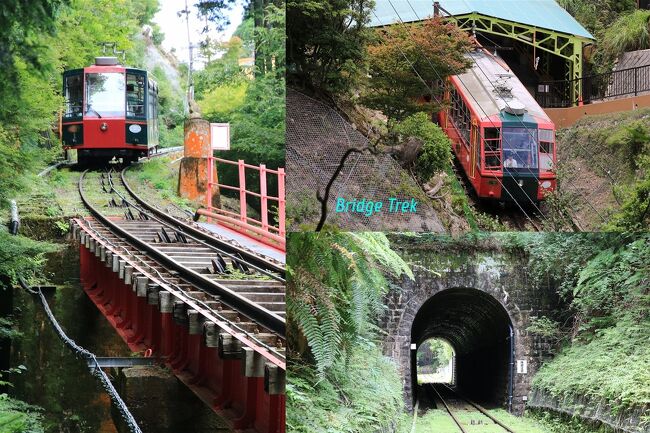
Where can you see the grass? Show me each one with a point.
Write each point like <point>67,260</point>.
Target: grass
<point>436,420</point>
<point>439,421</point>
<point>159,176</point>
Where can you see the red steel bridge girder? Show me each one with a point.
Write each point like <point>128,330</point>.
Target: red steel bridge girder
<point>236,389</point>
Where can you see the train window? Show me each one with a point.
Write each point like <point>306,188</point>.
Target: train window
<point>460,115</point>
<point>546,149</point>
<point>492,144</point>
<point>135,99</point>
<point>492,134</point>
<point>520,148</point>
<point>105,96</point>
<point>73,94</point>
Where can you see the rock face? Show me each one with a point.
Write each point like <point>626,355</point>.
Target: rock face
<point>161,403</point>
<point>472,300</point>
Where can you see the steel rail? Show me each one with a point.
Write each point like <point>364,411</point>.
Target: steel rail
<point>227,325</point>
<point>207,241</point>
<point>451,414</point>
<point>258,262</point>
<point>480,409</point>
<point>246,307</point>
<point>200,306</point>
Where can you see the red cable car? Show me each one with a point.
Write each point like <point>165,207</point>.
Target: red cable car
<point>110,111</point>
<point>502,138</point>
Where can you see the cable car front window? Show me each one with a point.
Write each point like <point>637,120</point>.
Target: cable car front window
<point>105,95</point>
<point>520,148</point>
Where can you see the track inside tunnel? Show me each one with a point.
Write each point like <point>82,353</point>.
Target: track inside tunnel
<point>478,328</point>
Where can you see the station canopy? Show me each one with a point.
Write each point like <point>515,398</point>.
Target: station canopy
<point>543,14</point>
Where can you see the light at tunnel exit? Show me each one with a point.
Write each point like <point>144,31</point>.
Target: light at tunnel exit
<point>435,362</point>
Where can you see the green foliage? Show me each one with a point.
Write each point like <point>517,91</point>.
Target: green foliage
<point>215,11</point>
<point>615,148</point>
<point>546,328</point>
<point>254,106</point>
<point>628,33</point>
<point>606,278</point>
<point>19,417</point>
<point>435,48</point>
<point>634,214</point>
<point>42,40</point>
<point>335,289</point>
<point>222,72</point>
<point>597,15</point>
<point>223,100</point>
<point>20,256</point>
<point>330,56</point>
<point>435,155</point>
<point>246,32</point>
<point>433,354</point>
<point>564,424</point>
<point>7,329</point>
<point>632,140</point>
<point>364,394</point>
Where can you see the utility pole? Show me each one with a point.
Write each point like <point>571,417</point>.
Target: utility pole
<point>190,82</point>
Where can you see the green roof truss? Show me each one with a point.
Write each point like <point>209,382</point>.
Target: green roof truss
<point>560,44</point>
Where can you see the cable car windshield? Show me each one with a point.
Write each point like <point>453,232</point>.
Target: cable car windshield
<point>519,148</point>
<point>105,95</point>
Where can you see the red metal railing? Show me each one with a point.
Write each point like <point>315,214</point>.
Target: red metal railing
<point>241,221</point>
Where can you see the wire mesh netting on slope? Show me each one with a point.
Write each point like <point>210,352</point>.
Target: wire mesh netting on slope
<point>317,137</point>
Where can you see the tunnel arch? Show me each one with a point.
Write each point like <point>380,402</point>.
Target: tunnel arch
<point>479,329</point>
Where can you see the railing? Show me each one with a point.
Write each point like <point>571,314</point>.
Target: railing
<point>262,229</point>
<point>632,81</point>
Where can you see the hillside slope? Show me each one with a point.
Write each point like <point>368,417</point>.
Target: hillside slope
<point>603,168</point>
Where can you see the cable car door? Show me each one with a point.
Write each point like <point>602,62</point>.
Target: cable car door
<point>475,150</point>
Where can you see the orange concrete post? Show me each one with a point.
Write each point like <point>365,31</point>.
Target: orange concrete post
<point>193,173</point>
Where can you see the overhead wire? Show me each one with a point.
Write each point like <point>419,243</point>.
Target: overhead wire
<point>475,100</point>
<point>491,83</point>
<point>433,95</point>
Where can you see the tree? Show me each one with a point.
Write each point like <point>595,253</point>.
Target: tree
<point>326,45</point>
<point>406,60</point>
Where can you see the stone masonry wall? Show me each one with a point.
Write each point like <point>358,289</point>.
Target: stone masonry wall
<point>503,276</point>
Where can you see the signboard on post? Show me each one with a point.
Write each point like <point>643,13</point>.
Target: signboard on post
<point>220,136</point>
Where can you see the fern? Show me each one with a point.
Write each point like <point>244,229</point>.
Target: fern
<point>335,290</point>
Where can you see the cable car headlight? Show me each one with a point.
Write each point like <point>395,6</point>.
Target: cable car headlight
<point>546,184</point>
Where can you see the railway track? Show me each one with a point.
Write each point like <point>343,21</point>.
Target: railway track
<point>224,297</point>
<point>468,416</point>
<point>526,218</point>
<point>245,286</point>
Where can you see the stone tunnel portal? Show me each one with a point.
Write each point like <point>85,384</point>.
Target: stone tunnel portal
<point>479,329</point>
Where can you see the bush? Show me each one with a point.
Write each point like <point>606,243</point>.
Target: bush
<point>630,140</point>
<point>435,155</point>
<point>362,395</point>
<point>628,33</point>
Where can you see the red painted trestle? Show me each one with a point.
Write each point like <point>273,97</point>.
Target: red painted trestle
<point>237,382</point>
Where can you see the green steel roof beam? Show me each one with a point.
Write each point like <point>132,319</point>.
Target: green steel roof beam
<point>560,44</point>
